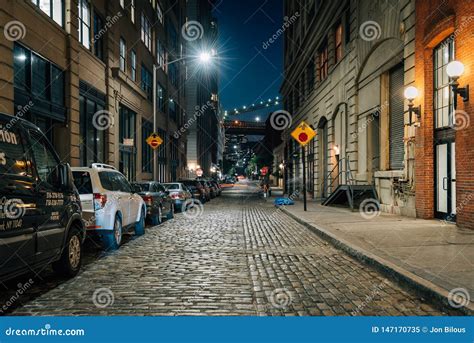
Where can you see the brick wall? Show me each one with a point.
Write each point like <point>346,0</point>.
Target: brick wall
<point>442,19</point>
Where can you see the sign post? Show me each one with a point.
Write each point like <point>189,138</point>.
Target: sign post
<point>303,134</point>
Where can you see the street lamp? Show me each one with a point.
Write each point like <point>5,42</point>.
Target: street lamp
<point>411,93</point>
<point>455,69</point>
<point>204,57</point>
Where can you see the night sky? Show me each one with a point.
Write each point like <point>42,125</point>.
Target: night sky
<point>249,73</point>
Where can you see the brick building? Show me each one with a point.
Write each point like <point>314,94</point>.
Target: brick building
<point>445,138</point>
<point>83,72</point>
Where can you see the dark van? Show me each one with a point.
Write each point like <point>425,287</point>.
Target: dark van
<point>40,210</point>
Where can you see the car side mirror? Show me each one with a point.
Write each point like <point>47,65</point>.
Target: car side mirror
<point>62,176</point>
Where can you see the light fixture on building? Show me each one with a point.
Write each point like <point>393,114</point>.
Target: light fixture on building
<point>455,69</point>
<point>411,93</point>
<point>257,119</point>
<point>282,165</point>
<point>337,150</point>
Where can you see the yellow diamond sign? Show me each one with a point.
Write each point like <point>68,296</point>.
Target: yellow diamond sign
<point>303,134</point>
<point>154,141</point>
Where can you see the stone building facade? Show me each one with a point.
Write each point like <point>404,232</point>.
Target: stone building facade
<point>346,67</point>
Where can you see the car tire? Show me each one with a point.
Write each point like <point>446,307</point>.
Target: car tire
<point>170,214</point>
<point>113,239</point>
<point>140,225</point>
<point>71,257</point>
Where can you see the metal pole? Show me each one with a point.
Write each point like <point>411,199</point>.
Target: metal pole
<point>304,176</point>
<point>155,151</point>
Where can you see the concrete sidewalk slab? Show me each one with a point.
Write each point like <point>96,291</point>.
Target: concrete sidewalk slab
<point>434,257</point>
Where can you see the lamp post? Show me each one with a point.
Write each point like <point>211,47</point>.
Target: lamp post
<point>411,93</point>
<point>203,57</point>
<point>455,69</point>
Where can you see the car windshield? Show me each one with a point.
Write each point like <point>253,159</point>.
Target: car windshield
<point>83,183</point>
<point>170,186</point>
<point>144,187</point>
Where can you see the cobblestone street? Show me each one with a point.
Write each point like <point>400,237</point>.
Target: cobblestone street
<point>241,256</point>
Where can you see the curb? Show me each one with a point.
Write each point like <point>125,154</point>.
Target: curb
<point>425,288</point>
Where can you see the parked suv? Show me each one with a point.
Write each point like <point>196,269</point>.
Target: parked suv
<point>179,194</point>
<point>159,206</point>
<point>40,211</point>
<point>111,207</point>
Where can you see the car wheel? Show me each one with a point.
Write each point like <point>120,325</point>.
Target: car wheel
<point>113,239</point>
<point>140,225</point>
<point>170,214</point>
<point>71,258</point>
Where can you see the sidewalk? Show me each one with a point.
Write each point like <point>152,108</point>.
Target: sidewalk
<point>429,255</point>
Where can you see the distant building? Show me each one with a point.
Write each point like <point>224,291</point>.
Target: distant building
<point>83,72</point>
<point>202,103</point>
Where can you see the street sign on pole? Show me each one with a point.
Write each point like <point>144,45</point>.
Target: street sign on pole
<point>303,134</point>
<point>154,141</point>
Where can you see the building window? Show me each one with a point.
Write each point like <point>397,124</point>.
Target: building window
<point>147,151</point>
<point>159,12</point>
<point>172,35</point>
<point>127,130</point>
<point>84,19</point>
<point>161,96</point>
<point>53,8</point>
<point>397,125</point>
<point>133,64</point>
<point>123,54</point>
<point>92,147</point>
<point>323,62</point>
<point>443,96</point>
<point>36,80</point>
<point>132,11</point>
<point>172,110</point>
<point>147,82</point>
<point>160,55</point>
<point>338,43</point>
<point>310,75</point>
<point>173,73</point>
<point>98,36</point>
<point>146,32</point>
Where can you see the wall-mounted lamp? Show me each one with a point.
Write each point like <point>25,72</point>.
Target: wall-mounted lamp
<point>282,165</point>
<point>337,150</point>
<point>411,93</point>
<point>455,69</point>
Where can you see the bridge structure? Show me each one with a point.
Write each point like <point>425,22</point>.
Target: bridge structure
<point>239,127</point>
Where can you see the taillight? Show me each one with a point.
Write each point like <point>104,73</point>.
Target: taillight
<point>179,196</point>
<point>99,201</point>
<point>148,199</point>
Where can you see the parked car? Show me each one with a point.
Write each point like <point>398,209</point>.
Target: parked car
<point>159,205</point>
<point>196,189</point>
<point>110,206</point>
<point>179,194</point>
<point>212,189</point>
<point>207,189</point>
<point>218,187</point>
<point>40,220</point>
